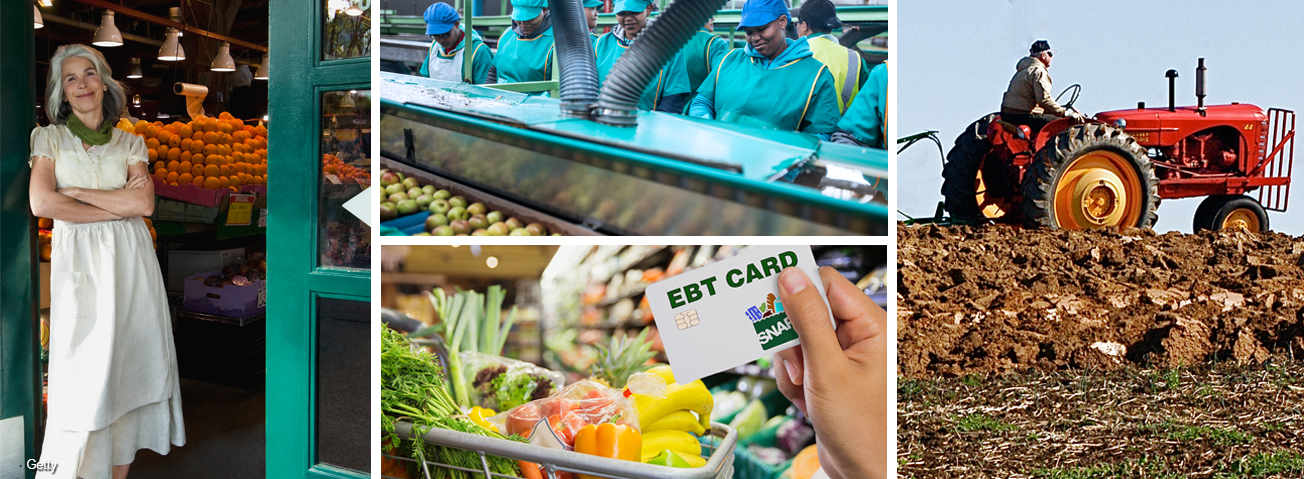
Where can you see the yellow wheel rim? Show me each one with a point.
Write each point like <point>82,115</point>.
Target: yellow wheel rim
<point>1098,189</point>
<point>991,206</point>
<point>1241,218</point>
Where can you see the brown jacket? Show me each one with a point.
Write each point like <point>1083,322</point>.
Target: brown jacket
<point>1029,90</point>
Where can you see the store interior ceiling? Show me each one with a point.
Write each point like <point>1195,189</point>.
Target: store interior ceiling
<point>76,21</point>
<point>468,261</point>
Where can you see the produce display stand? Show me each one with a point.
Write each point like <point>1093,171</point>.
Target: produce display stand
<point>718,445</point>
<point>210,347</point>
<point>670,176</point>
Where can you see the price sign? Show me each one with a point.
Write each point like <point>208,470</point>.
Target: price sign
<point>241,210</point>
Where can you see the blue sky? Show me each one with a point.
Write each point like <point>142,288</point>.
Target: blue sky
<point>955,58</point>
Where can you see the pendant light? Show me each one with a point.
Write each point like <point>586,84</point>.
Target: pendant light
<point>223,62</point>
<point>261,74</point>
<point>135,68</point>
<point>347,101</point>
<point>47,3</point>
<point>174,14</point>
<point>135,100</point>
<point>107,35</point>
<point>40,22</point>
<point>172,50</point>
<point>353,10</point>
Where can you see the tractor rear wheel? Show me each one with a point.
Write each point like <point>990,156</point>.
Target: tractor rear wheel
<point>963,187</point>
<point>1091,176</point>
<point>1231,212</point>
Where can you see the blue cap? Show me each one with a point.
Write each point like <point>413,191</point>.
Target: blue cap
<point>758,13</point>
<point>631,5</point>
<point>592,3</point>
<point>440,18</point>
<point>523,10</point>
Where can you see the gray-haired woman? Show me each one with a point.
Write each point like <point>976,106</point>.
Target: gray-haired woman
<point>113,385</point>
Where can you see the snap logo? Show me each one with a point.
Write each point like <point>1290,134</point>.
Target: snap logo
<point>771,323</point>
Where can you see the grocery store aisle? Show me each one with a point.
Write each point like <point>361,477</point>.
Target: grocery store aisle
<point>224,436</point>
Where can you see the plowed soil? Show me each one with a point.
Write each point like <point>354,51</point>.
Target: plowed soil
<point>977,300</point>
<point>1218,420</point>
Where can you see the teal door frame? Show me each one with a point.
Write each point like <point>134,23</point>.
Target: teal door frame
<point>20,369</point>
<point>297,78</point>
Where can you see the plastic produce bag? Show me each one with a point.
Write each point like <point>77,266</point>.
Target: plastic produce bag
<point>500,383</point>
<point>554,421</point>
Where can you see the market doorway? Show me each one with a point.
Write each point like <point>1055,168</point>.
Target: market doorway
<point>271,336</point>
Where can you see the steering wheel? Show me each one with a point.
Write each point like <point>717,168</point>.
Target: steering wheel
<point>1073,97</point>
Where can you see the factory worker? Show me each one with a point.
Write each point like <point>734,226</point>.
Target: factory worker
<point>816,20</point>
<point>667,92</point>
<point>591,8</point>
<point>865,122</point>
<point>702,53</point>
<point>773,82</point>
<point>447,52</point>
<point>526,52</point>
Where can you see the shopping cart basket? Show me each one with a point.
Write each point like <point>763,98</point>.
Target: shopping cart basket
<point>717,447</point>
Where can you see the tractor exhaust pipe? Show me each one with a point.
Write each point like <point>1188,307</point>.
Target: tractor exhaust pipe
<point>1199,87</point>
<point>1172,88</point>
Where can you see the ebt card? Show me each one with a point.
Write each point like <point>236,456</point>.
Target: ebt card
<point>728,313</point>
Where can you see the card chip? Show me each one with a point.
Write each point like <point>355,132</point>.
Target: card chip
<point>686,319</point>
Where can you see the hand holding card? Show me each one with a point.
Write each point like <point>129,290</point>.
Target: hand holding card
<point>838,378</point>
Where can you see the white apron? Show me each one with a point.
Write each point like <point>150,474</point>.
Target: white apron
<point>113,383</point>
<point>446,69</point>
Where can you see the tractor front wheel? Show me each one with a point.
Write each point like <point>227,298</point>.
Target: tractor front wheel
<point>1091,176</point>
<point>1231,212</point>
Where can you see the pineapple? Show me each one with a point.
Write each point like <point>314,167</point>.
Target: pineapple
<point>624,357</point>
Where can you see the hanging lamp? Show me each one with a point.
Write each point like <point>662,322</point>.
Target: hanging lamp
<point>40,22</point>
<point>353,9</point>
<point>107,35</point>
<point>261,74</point>
<point>172,50</point>
<point>135,68</point>
<point>174,14</point>
<point>223,62</point>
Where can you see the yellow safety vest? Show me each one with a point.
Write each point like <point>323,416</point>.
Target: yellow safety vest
<point>843,63</point>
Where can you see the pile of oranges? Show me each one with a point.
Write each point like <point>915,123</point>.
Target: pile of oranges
<point>45,237</point>
<point>331,165</point>
<point>214,153</point>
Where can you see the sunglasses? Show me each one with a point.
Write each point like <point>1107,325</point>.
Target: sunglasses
<point>441,37</point>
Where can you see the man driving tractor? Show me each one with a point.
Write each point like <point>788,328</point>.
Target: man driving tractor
<point>1028,99</point>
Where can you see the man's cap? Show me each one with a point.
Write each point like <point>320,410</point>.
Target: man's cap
<point>758,13</point>
<point>523,10</point>
<point>818,14</point>
<point>1040,46</point>
<point>631,5</point>
<point>592,3</point>
<point>440,18</point>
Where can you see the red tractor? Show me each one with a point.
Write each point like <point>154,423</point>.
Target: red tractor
<point>1113,169</point>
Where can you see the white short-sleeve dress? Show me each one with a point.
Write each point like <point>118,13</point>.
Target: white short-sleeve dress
<point>113,384</point>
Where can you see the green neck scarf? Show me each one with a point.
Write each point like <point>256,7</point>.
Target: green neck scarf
<point>89,136</point>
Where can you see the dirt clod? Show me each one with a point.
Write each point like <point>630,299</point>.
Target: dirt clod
<point>997,299</point>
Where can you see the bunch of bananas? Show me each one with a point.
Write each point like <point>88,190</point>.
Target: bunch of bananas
<point>668,423</point>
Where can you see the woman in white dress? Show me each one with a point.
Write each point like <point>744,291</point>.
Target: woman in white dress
<point>113,385</point>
